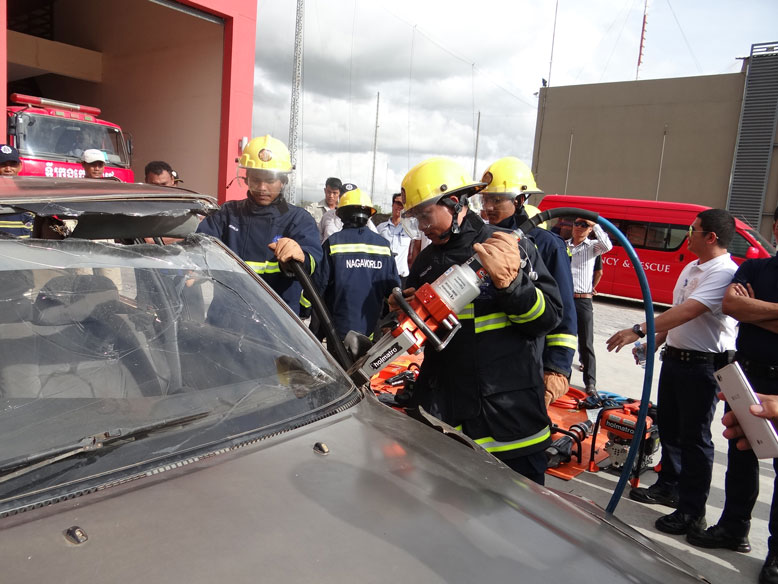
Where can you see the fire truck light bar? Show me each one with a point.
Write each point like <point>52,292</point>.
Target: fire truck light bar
<point>42,101</point>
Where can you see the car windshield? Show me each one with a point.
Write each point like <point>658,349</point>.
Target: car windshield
<point>66,139</point>
<point>98,337</point>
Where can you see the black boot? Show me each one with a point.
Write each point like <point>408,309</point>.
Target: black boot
<point>655,495</point>
<point>719,537</point>
<point>769,573</point>
<point>678,523</point>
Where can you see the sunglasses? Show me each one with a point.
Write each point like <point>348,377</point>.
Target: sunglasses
<point>691,230</point>
<point>581,224</point>
<point>399,203</point>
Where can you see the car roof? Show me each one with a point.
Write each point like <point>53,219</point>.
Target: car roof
<point>107,208</point>
<point>13,190</point>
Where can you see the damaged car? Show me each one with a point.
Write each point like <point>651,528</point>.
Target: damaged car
<point>164,417</point>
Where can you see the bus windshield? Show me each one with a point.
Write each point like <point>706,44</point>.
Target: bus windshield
<point>56,138</point>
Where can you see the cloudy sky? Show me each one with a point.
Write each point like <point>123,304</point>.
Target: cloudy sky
<point>437,63</point>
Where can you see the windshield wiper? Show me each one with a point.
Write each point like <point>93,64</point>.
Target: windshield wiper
<point>30,463</point>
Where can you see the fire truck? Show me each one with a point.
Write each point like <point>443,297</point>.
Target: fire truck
<point>52,135</point>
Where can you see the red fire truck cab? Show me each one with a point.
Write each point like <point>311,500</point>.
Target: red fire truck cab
<point>659,232</point>
<point>52,135</point>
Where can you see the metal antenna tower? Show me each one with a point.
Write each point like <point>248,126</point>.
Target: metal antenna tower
<point>294,114</point>
<point>375,147</point>
<point>642,39</point>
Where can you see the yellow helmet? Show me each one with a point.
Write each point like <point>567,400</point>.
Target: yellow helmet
<point>266,153</point>
<point>430,180</point>
<point>353,196</point>
<point>511,176</point>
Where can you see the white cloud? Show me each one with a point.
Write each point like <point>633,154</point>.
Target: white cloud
<point>462,58</point>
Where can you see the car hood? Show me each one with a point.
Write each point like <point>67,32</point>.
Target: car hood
<point>390,501</point>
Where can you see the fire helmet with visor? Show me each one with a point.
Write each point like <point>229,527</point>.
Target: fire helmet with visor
<point>507,177</point>
<point>354,206</point>
<point>264,159</point>
<point>432,182</point>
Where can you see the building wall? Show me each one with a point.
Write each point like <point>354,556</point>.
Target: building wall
<point>181,85</point>
<point>165,91</point>
<point>613,133</point>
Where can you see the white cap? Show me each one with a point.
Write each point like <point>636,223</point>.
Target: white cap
<point>93,155</point>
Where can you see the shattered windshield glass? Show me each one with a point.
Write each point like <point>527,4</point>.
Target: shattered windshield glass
<point>98,337</point>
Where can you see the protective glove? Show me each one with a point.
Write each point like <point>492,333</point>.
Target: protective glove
<point>556,386</point>
<point>499,255</point>
<point>287,249</point>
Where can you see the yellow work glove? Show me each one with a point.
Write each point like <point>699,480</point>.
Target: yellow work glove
<point>556,386</point>
<point>287,249</point>
<point>499,255</point>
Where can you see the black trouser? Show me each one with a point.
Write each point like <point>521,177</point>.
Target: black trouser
<point>685,409</point>
<point>741,485</point>
<point>532,466</point>
<point>585,312</point>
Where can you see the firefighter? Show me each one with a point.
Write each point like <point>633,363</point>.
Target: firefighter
<point>509,183</point>
<point>263,229</point>
<point>358,271</point>
<point>488,380</point>
<point>17,224</point>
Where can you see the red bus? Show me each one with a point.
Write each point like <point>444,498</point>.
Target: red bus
<point>659,232</point>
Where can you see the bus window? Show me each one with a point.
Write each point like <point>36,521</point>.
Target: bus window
<point>739,246</point>
<point>636,234</point>
<point>678,234</point>
<point>656,236</point>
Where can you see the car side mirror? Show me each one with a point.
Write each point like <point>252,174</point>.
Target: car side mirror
<point>752,253</point>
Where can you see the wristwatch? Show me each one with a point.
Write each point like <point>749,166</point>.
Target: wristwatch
<point>638,331</point>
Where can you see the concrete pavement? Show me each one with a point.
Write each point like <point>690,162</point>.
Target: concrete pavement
<point>618,373</point>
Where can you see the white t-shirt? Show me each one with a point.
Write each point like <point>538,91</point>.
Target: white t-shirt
<point>712,331</point>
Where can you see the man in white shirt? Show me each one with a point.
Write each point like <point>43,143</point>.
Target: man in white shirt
<point>330,222</point>
<point>332,193</point>
<point>583,253</point>
<point>700,339</point>
<point>399,241</point>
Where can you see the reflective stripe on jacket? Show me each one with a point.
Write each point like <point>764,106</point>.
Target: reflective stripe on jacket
<point>19,224</point>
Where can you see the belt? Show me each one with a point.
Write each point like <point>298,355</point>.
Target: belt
<point>582,295</point>
<point>697,357</point>
<point>756,369</point>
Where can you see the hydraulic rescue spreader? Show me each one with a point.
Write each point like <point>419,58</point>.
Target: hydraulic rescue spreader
<point>434,307</point>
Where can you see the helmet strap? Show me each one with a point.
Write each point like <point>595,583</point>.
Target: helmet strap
<point>455,207</point>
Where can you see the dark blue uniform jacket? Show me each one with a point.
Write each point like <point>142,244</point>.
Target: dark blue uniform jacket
<point>356,275</point>
<point>560,343</point>
<point>489,379</point>
<point>247,229</point>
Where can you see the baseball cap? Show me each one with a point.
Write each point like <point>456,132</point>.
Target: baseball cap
<point>8,154</point>
<point>93,155</point>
